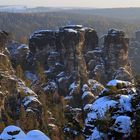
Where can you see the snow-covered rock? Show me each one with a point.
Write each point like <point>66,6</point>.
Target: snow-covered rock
<point>18,53</point>
<point>36,135</point>
<point>31,76</point>
<point>123,125</point>
<point>96,135</point>
<point>100,107</point>
<point>29,99</point>
<point>12,132</point>
<point>125,103</point>
<point>111,115</point>
<point>118,82</point>
<point>71,31</point>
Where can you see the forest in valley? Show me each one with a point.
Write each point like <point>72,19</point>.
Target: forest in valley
<point>21,25</point>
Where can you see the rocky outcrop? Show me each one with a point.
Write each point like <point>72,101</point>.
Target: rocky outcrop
<point>62,54</point>
<point>3,40</point>
<point>18,103</point>
<point>64,49</point>
<point>112,115</point>
<point>74,51</point>
<point>115,52</point>
<point>67,71</point>
<point>18,54</point>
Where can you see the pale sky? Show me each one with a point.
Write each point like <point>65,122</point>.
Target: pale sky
<point>74,3</point>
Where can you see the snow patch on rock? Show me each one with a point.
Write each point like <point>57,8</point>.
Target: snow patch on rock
<point>99,108</point>
<point>123,125</point>
<point>12,132</point>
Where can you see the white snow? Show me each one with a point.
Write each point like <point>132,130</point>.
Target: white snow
<point>87,107</point>
<point>68,97</point>
<point>99,108</point>
<point>76,109</point>
<point>2,54</point>
<point>95,85</point>
<point>61,79</point>
<point>73,86</point>
<point>19,136</point>
<point>85,88</point>
<point>71,30</point>
<point>29,99</point>
<point>115,82</point>
<point>96,135</point>
<point>29,110</point>
<point>23,46</point>
<point>39,33</point>
<point>123,125</point>
<point>36,135</point>
<point>61,74</point>
<point>113,32</point>
<point>125,103</point>
<point>29,75</point>
<point>52,125</point>
<point>86,93</point>
<point>51,85</point>
<point>73,26</point>
<point>28,91</point>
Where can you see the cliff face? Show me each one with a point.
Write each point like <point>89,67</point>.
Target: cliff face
<point>65,70</point>
<point>111,61</point>
<point>65,48</point>
<point>134,51</point>
<point>115,52</point>
<point>16,99</point>
<point>63,56</point>
<point>76,48</point>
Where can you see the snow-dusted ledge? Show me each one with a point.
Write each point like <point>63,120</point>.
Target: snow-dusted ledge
<point>16,133</point>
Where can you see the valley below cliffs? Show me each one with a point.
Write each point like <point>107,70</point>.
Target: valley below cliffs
<point>69,84</point>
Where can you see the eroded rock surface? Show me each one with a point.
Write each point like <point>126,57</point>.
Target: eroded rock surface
<point>66,70</point>
<point>18,103</point>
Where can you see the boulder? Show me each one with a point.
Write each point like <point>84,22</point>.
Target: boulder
<point>110,115</point>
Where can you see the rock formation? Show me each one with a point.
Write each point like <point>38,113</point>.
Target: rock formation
<point>62,54</point>
<point>66,70</point>
<point>64,49</point>
<point>134,51</point>
<point>112,115</point>
<point>18,103</point>
<point>115,52</point>
<point>18,54</point>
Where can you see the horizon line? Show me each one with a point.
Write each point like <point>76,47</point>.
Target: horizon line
<point>70,7</point>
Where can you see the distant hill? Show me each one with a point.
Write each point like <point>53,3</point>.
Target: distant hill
<point>25,9</point>
<point>22,24</point>
<point>121,13</point>
<point>13,8</point>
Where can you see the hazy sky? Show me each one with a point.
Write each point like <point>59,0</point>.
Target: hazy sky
<point>74,3</point>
